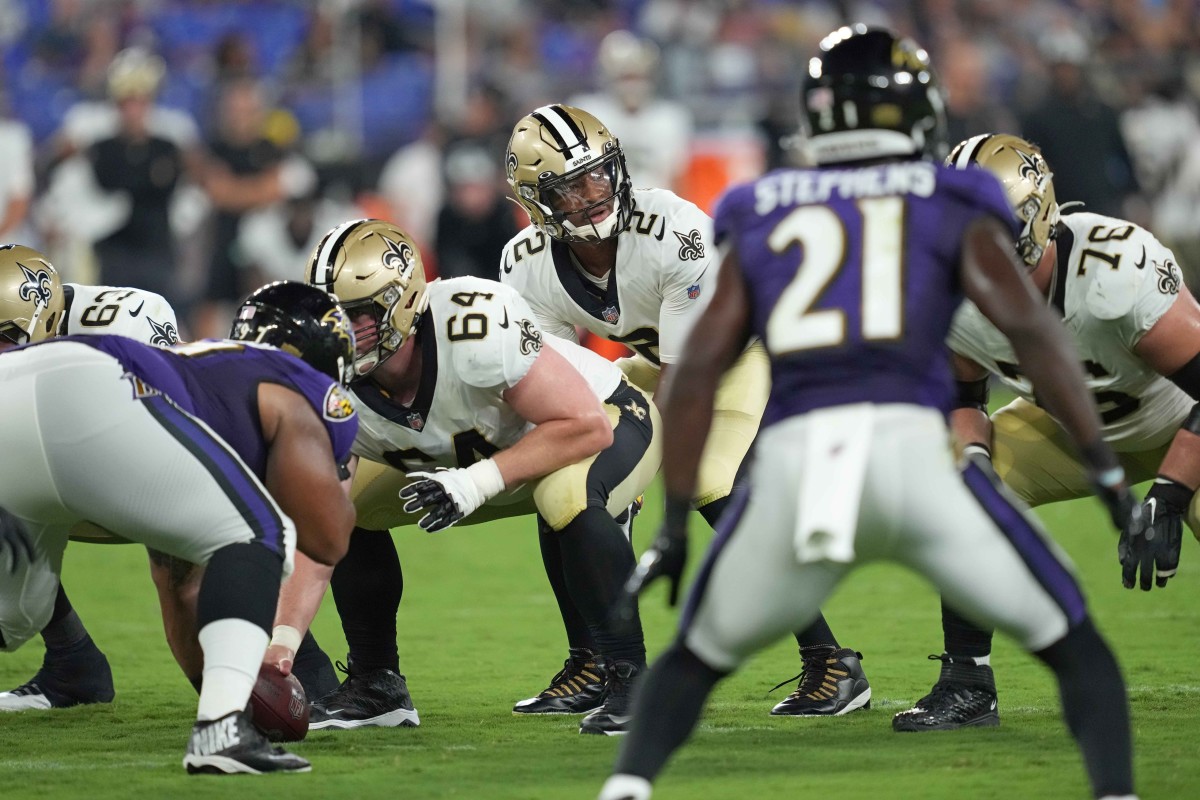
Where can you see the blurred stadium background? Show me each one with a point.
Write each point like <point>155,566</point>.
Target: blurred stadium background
<point>288,116</point>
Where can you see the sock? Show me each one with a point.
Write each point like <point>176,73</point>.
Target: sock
<point>367,586</point>
<point>65,631</point>
<point>625,787</point>
<point>1095,707</point>
<point>313,669</point>
<point>962,638</point>
<point>578,633</point>
<point>233,651</point>
<point>666,708</point>
<point>817,634</point>
<point>713,511</point>
<point>596,561</point>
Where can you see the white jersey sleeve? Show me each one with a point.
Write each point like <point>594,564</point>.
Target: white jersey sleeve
<point>688,278</point>
<point>135,313</point>
<point>492,335</point>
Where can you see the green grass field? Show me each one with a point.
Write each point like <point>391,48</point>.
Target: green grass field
<point>479,630</point>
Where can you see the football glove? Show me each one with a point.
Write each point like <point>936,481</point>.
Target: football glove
<point>666,556</point>
<point>1153,546</point>
<point>448,495</point>
<point>16,540</point>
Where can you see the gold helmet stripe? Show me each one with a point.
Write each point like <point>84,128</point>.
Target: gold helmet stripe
<point>323,276</point>
<point>968,150</point>
<point>566,133</point>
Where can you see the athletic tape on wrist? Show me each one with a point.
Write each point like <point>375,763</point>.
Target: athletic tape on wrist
<point>286,636</point>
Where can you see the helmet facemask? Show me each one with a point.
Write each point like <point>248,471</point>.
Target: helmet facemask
<point>574,199</point>
<point>382,309</point>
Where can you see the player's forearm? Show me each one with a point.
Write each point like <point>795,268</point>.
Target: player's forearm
<point>552,445</point>
<point>1182,462</point>
<point>971,426</point>
<point>687,412</point>
<point>301,594</point>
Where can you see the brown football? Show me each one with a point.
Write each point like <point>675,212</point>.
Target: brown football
<point>278,706</point>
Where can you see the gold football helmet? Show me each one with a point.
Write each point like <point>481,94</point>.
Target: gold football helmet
<point>31,296</point>
<point>1027,181</point>
<point>372,267</point>
<point>567,171</point>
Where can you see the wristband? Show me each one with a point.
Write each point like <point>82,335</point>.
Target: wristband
<point>1173,494</point>
<point>977,449</point>
<point>487,478</point>
<point>286,636</point>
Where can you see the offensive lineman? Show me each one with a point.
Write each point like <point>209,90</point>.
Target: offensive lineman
<point>456,376</point>
<point>1137,327</point>
<point>851,272</point>
<point>35,305</point>
<point>636,266</point>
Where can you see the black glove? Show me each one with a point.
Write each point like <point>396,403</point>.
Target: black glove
<point>432,497</point>
<point>1153,545</point>
<point>666,556</point>
<point>15,538</point>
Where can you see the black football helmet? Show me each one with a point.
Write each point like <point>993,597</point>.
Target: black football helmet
<point>301,320</point>
<point>871,94</point>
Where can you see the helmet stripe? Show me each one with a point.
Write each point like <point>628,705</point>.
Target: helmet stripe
<point>969,150</point>
<point>322,276</point>
<point>566,133</point>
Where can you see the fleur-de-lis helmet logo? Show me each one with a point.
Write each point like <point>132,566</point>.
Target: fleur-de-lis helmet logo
<point>36,286</point>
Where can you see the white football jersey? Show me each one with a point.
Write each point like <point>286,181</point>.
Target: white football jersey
<point>1112,283</point>
<point>665,270</point>
<point>135,313</point>
<point>478,338</point>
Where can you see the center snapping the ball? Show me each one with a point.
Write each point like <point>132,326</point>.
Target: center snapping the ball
<point>278,705</point>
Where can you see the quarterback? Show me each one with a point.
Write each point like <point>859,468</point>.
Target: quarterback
<point>470,413</point>
<point>637,266</point>
<point>35,305</point>
<point>1136,326</point>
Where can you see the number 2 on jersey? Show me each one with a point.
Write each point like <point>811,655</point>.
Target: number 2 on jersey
<point>821,235</point>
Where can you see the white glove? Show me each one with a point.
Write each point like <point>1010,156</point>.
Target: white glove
<point>448,495</point>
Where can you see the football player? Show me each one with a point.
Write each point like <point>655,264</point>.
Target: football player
<point>850,272</point>
<point>220,453</point>
<point>470,413</point>
<point>636,266</point>
<point>1136,326</point>
<point>35,305</point>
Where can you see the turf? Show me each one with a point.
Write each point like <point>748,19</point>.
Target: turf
<point>479,630</point>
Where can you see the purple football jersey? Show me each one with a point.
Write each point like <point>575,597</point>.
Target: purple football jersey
<point>217,381</point>
<point>853,277</point>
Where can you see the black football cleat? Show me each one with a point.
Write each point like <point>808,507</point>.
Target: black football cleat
<point>577,688</point>
<point>963,697</point>
<point>63,681</point>
<point>375,699</point>
<point>232,745</point>
<point>831,684</point>
<point>613,718</point>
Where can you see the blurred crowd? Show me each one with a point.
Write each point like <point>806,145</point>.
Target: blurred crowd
<point>200,148</point>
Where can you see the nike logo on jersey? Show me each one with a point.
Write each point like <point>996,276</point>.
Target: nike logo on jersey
<point>1142,264</point>
<point>505,323</point>
<point>662,230</point>
<point>133,312</point>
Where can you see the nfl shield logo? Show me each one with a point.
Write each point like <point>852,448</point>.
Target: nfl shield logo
<point>611,315</point>
<point>416,421</point>
<point>693,291</point>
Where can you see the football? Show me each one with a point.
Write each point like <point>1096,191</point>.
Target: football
<point>278,706</point>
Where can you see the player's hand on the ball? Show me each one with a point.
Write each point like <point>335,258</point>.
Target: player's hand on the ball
<point>280,657</point>
<point>16,540</point>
